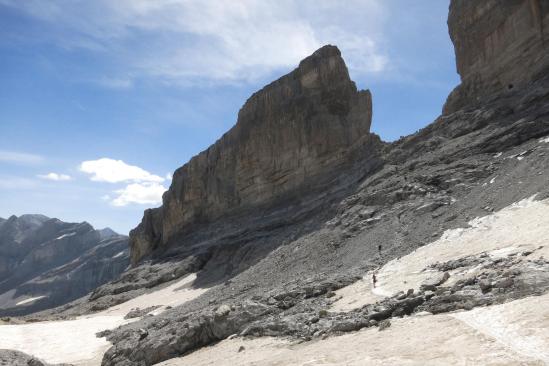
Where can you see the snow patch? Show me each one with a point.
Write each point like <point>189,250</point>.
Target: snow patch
<point>26,301</point>
<point>71,341</point>
<point>74,341</point>
<point>519,325</point>
<point>544,140</point>
<point>65,236</point>
<point>119,254</point>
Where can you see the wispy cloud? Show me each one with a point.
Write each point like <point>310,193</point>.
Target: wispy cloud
<point>55,177</point>
<point>116,171</point>
<point>19,157</point>
<point>196,41</point>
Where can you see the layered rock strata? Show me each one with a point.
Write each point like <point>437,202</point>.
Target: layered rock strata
<point>291,139</point>
<point>500,46</point>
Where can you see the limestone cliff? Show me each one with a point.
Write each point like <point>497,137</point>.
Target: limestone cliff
<point>500,46</point>
<point>292,136</point>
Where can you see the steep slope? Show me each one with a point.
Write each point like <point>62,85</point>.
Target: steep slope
<point>462,166</point>
<point>46,262</point>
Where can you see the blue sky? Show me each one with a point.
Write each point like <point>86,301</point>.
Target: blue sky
<point>100,101</point>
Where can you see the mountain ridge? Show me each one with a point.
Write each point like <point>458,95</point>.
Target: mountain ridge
<point>46,262</point>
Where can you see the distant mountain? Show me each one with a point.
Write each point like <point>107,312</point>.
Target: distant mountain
<point>47,262</point>
<point>107,233</point>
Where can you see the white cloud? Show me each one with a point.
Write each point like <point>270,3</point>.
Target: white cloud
<point>55,177</point>
<point>144,188</point>
<point>169,176</point>
<point>196,41</point>
<point>19,157</point>
<point>140,193</point>
<point>116,171</point>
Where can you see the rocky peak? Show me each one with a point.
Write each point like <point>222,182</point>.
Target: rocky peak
<point>107,233</point>
<point>291,137</point>
<point>500,46</point>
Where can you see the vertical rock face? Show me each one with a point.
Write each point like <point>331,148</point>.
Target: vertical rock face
<point>500,46</point>
<point>292,136</point>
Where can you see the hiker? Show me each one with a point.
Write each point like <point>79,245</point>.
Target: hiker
<point>379,249</point>
<point>374,279</point>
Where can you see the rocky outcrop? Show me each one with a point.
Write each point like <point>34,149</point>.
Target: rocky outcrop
<point>292,138</point>
<point>46,262</point>
<point>500,46</point>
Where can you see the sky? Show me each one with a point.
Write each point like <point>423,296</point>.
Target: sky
<point>100,101</point>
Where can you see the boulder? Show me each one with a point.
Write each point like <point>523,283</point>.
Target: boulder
<point>432,282</point>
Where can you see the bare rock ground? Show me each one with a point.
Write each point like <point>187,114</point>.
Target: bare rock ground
<point>521,338</point>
